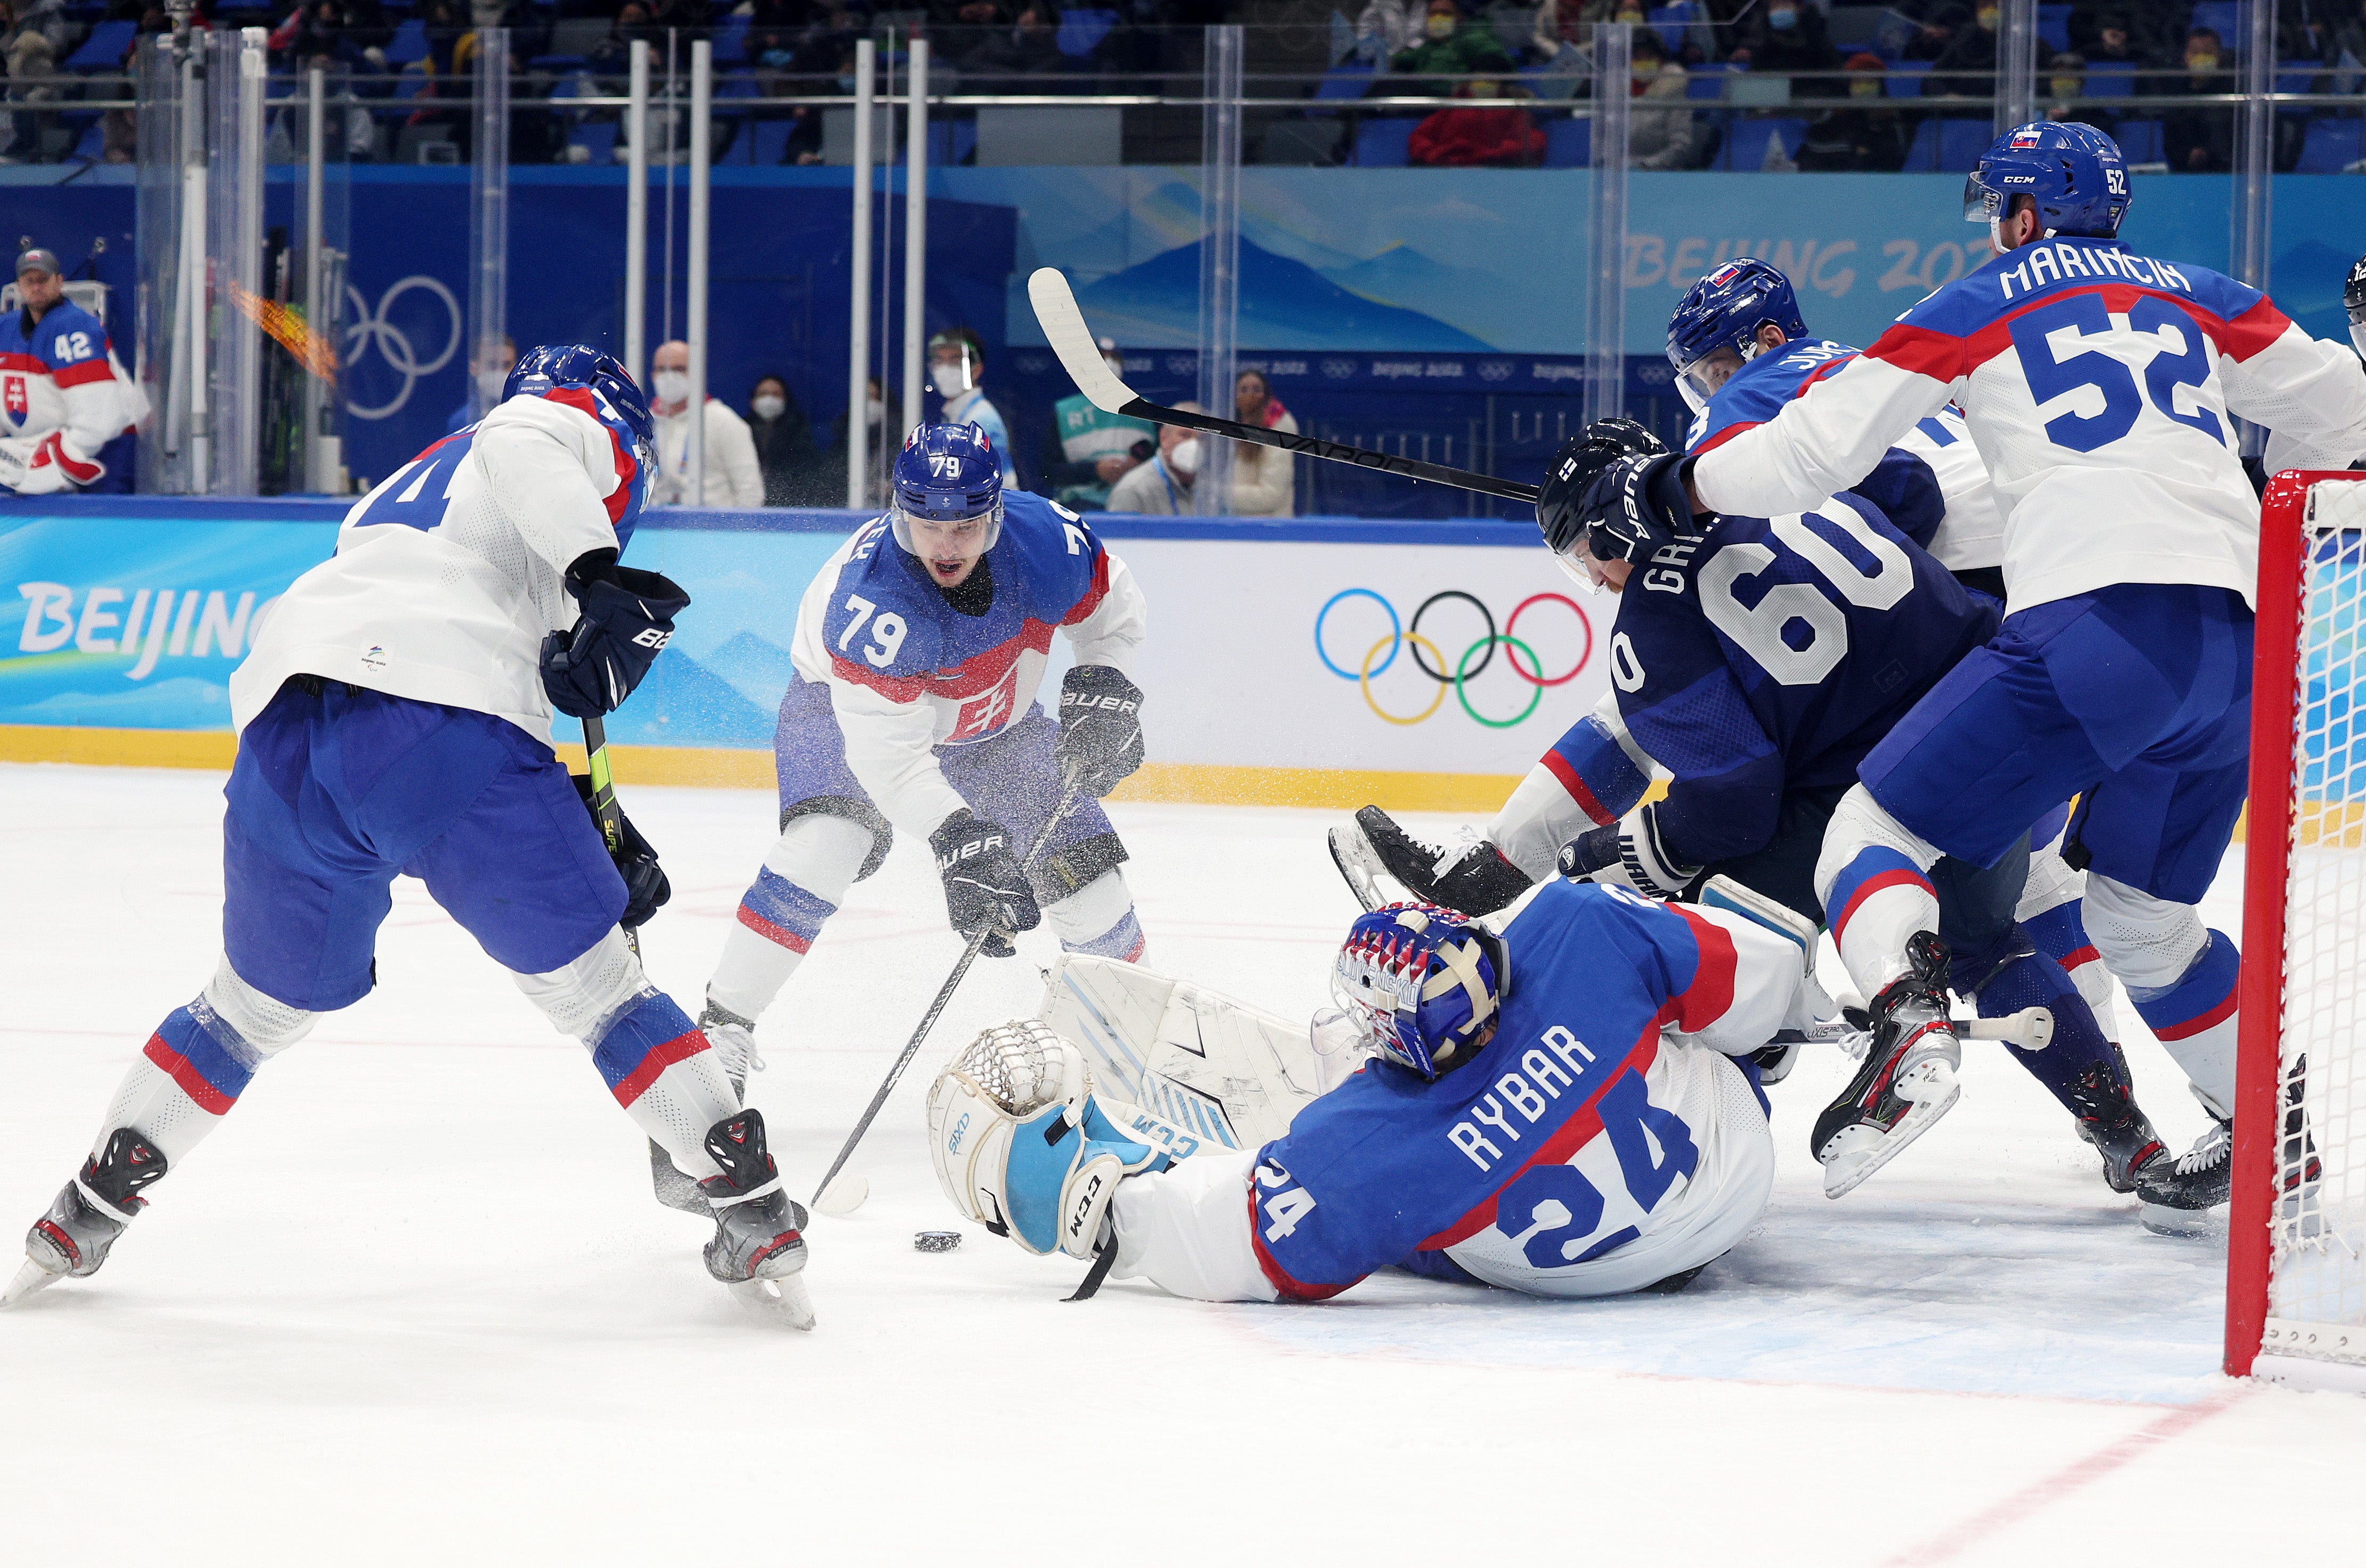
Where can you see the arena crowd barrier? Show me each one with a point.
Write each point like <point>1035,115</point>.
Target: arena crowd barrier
<point>1323,662</point>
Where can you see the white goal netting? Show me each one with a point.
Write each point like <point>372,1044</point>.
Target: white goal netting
<point>2316,1304</point>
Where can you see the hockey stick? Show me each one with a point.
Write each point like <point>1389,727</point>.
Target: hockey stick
<point>1063,328</point>
<point>944,995</point>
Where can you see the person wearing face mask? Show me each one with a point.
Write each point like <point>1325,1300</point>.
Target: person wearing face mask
<point>1866,137</point>
<point>489,367</point>
<point>1662,131</point>
<point>732,477</point>
<point>1096,448</point>
<point>879,448</point>
<point>785,453</point>
<point>2201,139</point>
<point>1162,487</point>
<point>1784,36</point>
<point>957,372</point>
<point>1449,47</point>
<point>1971,50</point>
<point>1264,479</point>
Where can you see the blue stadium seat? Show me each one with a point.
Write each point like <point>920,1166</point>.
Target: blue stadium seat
<point>731,40</point>
<point>2139,141</point>
<point>951,141</point>
<point>1906,78</point>
<point>770,141</point>
<point>104,49</point>
<point>1382,144</point>
<point>1342,82</point>
<point>1948,146</point>
<point>2222,17</point>
<point>2111,79</point>
<point>1707,85</point>
<point>1082,31</point>
<point>599,138</point>
<point>1569,143</point>
<point>1745,143</point>
<point>1670,22</point>
<point>410,43</point>
<point>2053,28</point>
<point>2332,145</point>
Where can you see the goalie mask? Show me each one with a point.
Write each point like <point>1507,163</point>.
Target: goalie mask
<point>1560,512</point>
<point>1421,984</point>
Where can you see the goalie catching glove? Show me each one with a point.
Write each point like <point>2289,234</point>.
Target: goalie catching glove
<point>1101,728</point>
<point>628,619</point>
<point>1022,1146</point>
<point>985,887</point>
<point>1628,852</point>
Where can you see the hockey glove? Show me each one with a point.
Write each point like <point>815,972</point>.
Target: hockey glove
<point>1101,728</point>
<point>1628,852</point>
<point>645,887</point>
<point>985,887</point>
<point>45,465</point>
<point>628,619</point>
<point>1637,505</point>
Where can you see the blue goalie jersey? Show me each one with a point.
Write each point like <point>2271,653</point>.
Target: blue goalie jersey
<point>1774,655</point>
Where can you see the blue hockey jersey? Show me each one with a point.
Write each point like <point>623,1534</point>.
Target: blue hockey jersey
<point>1583,1151</point>
<point>1773,655</point>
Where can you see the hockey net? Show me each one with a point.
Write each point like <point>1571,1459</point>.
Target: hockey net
<point>2296,1254</point>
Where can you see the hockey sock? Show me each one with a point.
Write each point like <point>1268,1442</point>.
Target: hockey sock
<point>2002,983</point>
<point>1099,919</point>
<point>1872,878</point>
<point>1589,779</point>
<point>661,1070</point>
<point>2195,1019</point>
<point>2052,912</point>
<point>199,1062</point>
<point>804,878</point>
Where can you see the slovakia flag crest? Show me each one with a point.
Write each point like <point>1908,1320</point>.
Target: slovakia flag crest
<point>20,405</point>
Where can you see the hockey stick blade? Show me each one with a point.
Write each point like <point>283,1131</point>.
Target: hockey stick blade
<point>842,1196</point>
<point>1063,328</point>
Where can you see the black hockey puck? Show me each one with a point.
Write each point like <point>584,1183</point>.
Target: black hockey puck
<point>936,1241</point>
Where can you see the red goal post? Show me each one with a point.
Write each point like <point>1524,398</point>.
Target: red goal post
<point>2296,1242</point>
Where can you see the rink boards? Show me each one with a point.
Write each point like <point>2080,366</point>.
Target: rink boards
<point>1321,661</point>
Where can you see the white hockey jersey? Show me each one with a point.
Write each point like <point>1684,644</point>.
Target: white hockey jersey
<point>2097,384</point>
<point>450,573</point>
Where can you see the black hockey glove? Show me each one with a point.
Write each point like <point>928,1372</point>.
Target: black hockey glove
<point>1477,881</point>
<point>645,887</point>
<point>1637,505</point>
<point>628,619</point>
<point>1101,728</point>
<point>985,884</point>
<point>1628,852</point>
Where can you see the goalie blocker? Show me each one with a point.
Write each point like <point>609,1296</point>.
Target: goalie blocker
<point>1564,1110</point>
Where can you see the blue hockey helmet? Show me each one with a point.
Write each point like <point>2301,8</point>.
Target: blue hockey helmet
<point>2074,173</point>
<point>554,365</point>
<point>946,473</point>
<point>1725,309</point>
<point>1422,983</point>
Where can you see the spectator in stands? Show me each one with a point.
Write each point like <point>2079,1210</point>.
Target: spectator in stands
<point>1662,132</point>
<point>785,453</point>
<point>1385,29</point>
<point>1935,23</point>
<point>730,473</point>
<point>489,371</point>
<point>30,50</point>
<point>691,18</point>
<point>1567,25</point>
<point>880,450</point>
<point>2145,30</point>
<point>1867,137</point>
<point>2113,44</point>
<point>957,371</point>
<point>1782,36</point>
<point>2344,43</point>
<point>1476,137</point>
<point>1450,47</point>
<point>1162,487</point>
<point>2064,79</point>
<point>1971,50</point>
<point>632,25</point>
<point>1030,46</point>
<point>1092,448</point>
<point>1264,481</point>
<point>2200,141</point>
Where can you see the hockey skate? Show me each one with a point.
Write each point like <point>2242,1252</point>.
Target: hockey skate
<point>733,1041</point>
<point>1472,876</point>
<point>2115,1127</point>
<point>1908,1078</point>
<point>74,1237</point>
<point>2184,1197</point>
<point>758,1248</point>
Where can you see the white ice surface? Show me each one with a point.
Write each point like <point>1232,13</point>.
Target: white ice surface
<point>415,1303</point>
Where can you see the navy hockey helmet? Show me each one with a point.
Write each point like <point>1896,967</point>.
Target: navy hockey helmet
<point>1421,984</point>
<point>2353,300</point>
<point>1561,510</point>
<point>947,473</point>
<point>554,365</point>
<point>2074,173</point>
<point>1725,309</point>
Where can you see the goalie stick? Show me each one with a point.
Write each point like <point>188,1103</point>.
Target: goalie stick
<point>1063,328</point>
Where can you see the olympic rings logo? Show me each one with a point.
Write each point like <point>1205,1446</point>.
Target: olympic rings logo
<point>1455,675</point>
<point>370,329</point>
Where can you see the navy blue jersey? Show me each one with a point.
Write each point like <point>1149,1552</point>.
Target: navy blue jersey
<point>1772,656</point>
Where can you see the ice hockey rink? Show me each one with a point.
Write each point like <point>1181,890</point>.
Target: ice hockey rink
<point>415,1303</point>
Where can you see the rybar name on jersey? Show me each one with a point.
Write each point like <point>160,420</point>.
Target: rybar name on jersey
<point>1524,1092</point>
<point>2044,264</point>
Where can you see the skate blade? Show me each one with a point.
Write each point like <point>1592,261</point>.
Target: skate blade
<point>784,1301</point>
<point>1857,1151</point>
<point>674,1190</point>
<point>2161,1220</point>
<point>1357,867</point>
<point>844,1194</point>
<point>31,1280</point>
